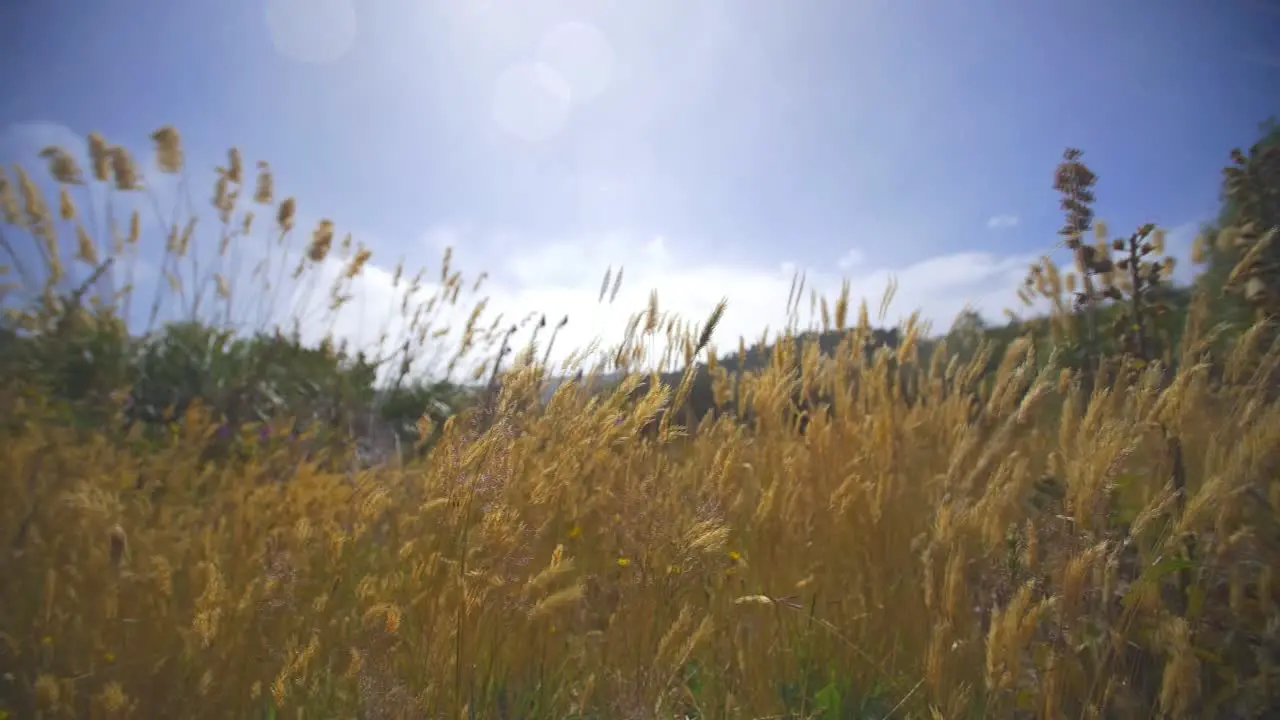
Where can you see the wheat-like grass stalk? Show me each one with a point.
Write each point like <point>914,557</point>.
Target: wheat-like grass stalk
<point>980,535</point>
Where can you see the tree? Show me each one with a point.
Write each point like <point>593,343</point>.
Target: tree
<point>1250,197</point>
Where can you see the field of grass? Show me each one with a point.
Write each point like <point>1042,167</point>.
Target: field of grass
<point>999,544</point>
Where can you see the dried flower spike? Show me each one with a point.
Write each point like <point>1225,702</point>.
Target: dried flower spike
<point>168,145</point>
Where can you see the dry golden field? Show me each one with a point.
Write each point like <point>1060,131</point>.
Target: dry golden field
<point>1003,545</point>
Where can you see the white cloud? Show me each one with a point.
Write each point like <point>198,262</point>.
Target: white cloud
<point>1002,222</point>
<point>851,259</point>
<point>563,278</point>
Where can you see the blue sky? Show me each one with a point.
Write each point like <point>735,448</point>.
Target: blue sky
<point>709,145</point>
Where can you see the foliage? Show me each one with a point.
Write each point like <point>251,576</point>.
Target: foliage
<point>1073,516</point>
<point>75,343</point>
<point>1222,246</point>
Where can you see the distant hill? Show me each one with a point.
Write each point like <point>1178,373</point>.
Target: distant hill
<point>757,356</point>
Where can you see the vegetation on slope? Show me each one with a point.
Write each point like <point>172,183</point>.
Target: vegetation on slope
<point>1070,517</point>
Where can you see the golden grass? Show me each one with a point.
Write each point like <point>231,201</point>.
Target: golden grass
<point>1051,556</point>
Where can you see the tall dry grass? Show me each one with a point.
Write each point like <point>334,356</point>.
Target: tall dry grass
<point>1049,555</point>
